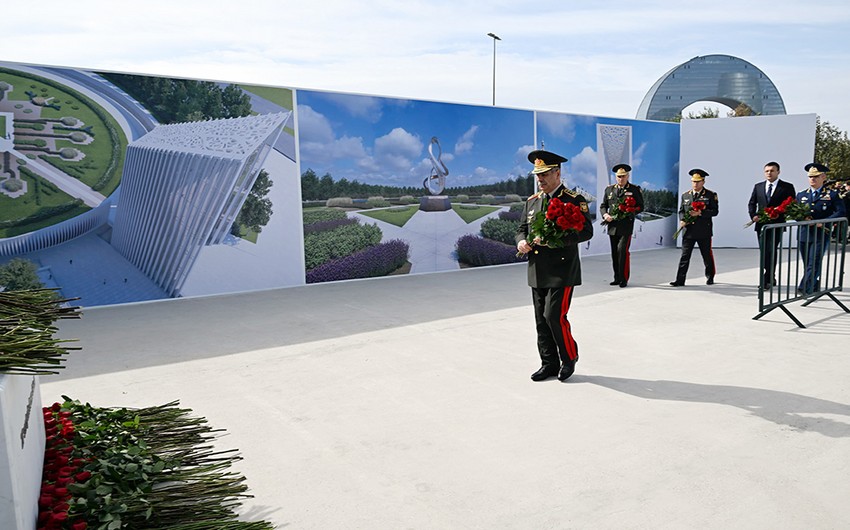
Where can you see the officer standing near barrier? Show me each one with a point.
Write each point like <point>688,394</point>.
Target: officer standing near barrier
<point>552,272</point>
<point>697,226</point>
<point>813,239</point>
<point>620,227</point>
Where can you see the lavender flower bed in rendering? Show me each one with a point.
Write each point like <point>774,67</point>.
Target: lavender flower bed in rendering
<point>377,260</point>
<point>477,251</point>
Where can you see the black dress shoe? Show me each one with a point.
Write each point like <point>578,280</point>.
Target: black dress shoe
<point>615,282</point>
<point>567,370</point>
<point>709,281</point>
<point>676,284</point>
<point>624,284</point>
<point>544,373</point>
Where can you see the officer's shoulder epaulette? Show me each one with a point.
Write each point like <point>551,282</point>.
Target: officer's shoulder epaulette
<point>571,193</point>
<point>536,195</point>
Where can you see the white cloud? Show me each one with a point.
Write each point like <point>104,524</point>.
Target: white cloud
<point>637,156</point>
<point>405,51</point>
<point>465,143</point>
<point>397,149</point>
<point>583,169</point>
<point>560,126</point>
<point>362,107</point>
<point>313,126</point>
<point>318,141</point>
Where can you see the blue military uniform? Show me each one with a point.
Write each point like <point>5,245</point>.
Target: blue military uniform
<point>813,240</point>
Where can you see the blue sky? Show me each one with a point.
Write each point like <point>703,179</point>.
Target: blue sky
<point>654,156</point>
<point>386,141</point>
<point>596,58</point>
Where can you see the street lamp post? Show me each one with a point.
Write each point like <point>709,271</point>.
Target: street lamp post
<point>495,38</point>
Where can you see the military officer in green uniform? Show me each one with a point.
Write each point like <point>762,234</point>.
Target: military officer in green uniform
<point>697,226</point>
<point>552,272</point>
<point>620,225</point>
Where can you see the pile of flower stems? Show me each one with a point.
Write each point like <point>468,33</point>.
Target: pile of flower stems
<point>153,468</point>
<point>27,343</point>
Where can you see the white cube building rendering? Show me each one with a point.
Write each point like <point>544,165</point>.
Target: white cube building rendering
<point>182,188</point>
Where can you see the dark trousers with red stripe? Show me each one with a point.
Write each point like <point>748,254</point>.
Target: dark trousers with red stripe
<point>554,338</point>
<point>685,260</point>
<point>620,257</point>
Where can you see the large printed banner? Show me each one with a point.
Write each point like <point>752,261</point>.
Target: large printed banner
<point>119,188</point>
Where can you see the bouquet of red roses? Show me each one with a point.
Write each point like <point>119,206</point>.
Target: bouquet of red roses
<point>550,228</point>
<point>790,208</point>
<point>623,208</point>
<point>688,218</point>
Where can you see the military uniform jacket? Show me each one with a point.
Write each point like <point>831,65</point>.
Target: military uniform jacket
<point>554,267</point>
<point>612,197</point>
<point>825,204</point>
<point>758,199</point>
<point>702,227</point>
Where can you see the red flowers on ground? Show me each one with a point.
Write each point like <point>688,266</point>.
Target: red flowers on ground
<point>60,470</point>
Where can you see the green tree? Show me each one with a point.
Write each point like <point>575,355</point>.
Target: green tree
<point>741,110</point>
<point>257,210</point>
<point>326,186</point>
<point>832,147</point>
<point>309,186</point>
<point>235,101</point>
<point>19,275</point>
<point>706,112</point>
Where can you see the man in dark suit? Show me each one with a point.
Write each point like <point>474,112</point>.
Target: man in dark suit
<point>770,193</point>
<point>813,239</point>
<point>620,224</point>
<point>552,272</point>
<point>697,225</point>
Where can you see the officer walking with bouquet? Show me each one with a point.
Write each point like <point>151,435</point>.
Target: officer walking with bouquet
<point>554,221</point>
<point>620,203</point>
<point>697,208</point>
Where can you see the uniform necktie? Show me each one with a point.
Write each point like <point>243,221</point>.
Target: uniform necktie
<point>769,190</point>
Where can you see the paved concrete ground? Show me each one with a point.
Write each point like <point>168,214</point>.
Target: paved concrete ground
<point>405,402</point>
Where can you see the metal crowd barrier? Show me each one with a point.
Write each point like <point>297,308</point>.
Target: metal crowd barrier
<point>803,270</point>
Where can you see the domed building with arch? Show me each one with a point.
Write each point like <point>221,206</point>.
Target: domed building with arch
<point>723,79</point>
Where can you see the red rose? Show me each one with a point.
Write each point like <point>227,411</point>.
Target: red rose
<point>82,476</point>
<point>59,517</point>
<point>56,407</point>
<point>81,525</point>
<point>562,222</point>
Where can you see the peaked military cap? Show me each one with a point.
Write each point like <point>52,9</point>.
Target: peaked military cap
<point>697,174</point>
<point>621,170</point>
<point>814,169</point>
<point>544,161</point>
